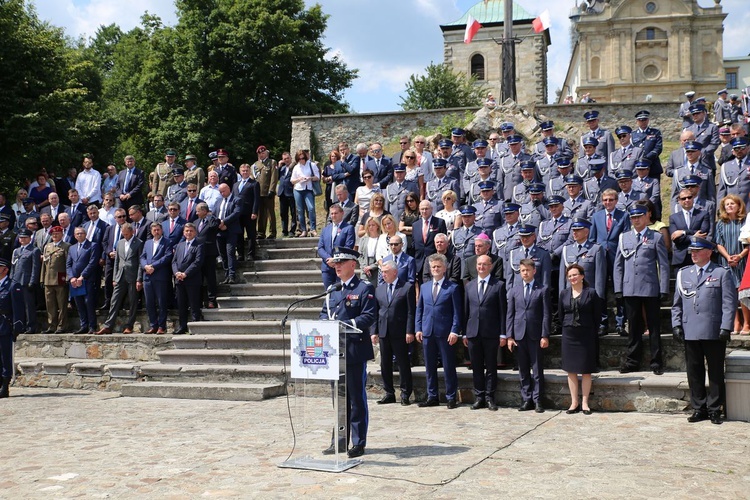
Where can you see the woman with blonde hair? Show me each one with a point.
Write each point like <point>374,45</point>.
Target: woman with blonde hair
<point>304,173</point>
<point>424,158</point>
<point>389,227</point>
<point>367,248</point>
<point>731,245</point>
<point>450,213</point>
<point>376,211</point>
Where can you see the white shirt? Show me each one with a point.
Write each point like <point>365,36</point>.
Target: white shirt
<point>156,245</point>
<point>88,185</point>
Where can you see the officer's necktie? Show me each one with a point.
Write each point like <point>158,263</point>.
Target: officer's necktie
<point>482,285</point>
<point>435,290</point>
<point>527,253</point>
<point>579,247</point>
<point>700,274</point>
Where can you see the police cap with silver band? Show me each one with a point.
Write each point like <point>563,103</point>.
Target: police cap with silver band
<point>580,223</point>
<point>528,165</point>
<point>439,163</point>
<point>480,143</point>
<point>486,186</point>
<point>698,243</point>
<point>548,125</point>
<point>514,139</point>
<point>637,211</point>
<point>739,142</point>
<point>511,207</point>
<point>693,146</point>
<point>555,199</point>
<point>445,143</point>
<point>642,115</point>
<point>468,210</point>
<point>526,230</point>
<point>401,167</point>
<point>506,126</point>
<point>341,254</point>
<point>573,179</point>
<point>691,180</point>
<point>697,108</point>
<point>457,132</point>
<point>536,187</point>
<point>591,115</point>
<point>642,164</point>
<point>562,161</point>
<point>622,130</point>
<point>624,174</point>
<point>590,141</point>
<point>596,163</point>
<point>550,141</point>
<point>484,162</point>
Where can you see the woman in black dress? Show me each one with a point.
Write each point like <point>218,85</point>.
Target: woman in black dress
<point>580,310</point>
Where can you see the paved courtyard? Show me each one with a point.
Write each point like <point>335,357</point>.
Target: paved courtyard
<point>68,444</point>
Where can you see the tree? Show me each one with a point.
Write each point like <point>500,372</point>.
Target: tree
<point>442,88</point>
<point>47,112</point>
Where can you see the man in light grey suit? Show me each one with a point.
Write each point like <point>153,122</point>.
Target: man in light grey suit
<point>127,279</point>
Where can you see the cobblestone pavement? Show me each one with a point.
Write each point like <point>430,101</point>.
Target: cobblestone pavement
<point>67,444</point>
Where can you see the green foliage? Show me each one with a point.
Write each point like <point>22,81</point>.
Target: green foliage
<point>448,122</point>
<point>442,88</point>
<point>230,74</point>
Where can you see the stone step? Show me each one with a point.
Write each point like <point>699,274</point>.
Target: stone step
<point>204,390</point>
<point>255,301</point>
<point>70,373</point>
<point>283,290</point>
<point>222,356</point>
<point>287,264</point>
<point>307,242</point>
<point>296,276</point>
<point>258,373</point>
<point>219,341</point>
<point>112,348</point>
<point>290,253</point>
<point>611,391</point>
<point>266,313</point>
<point>237,327</point>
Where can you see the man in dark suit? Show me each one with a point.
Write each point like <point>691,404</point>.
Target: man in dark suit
<point>159,213</point>
<point>127,279</point>
<point>207,226</point>
<point>528,323</point>
<point>351,209</point>
<point>129,187</point>
<point>112,236</point>
<point>141,226</point>
<point>55,208</point>
<point>354,304</point>
<point>705,302</point>
<point>76,210</point>
<point>247,191</point>
<point>26,265</point>
<point>407,270</point>
<point>438,324</point>
<point>68,235</point>
<point>484,320</point>
<point>156,267</point>
<point>423,233</point>
<point>482,246</point>
<point>186,268</point>
<point>683,225</point>
<point>380,166</point>
<point>95,227</point>
<point>228,210</point>
<point>335,234</point>
<point>394,330</point>
<point>187,206</point>
<point>606,227</point>
<point>82,268</point>
<point>63,185</point>
<point>346,174</point>
<point>173,225</point>
<point>285,190</point>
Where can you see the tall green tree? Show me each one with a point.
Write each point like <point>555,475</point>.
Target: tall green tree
<point>440,88</point>
<point>47,111</point>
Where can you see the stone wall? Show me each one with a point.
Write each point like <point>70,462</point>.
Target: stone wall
<point>322,133</point>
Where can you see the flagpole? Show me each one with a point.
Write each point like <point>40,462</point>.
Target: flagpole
<point>508,55</point>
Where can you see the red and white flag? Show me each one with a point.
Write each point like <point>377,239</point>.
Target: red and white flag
<point>472,26</point>
<point>541,23</point>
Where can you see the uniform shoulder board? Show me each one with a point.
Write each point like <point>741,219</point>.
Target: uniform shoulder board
<point>687,267</point>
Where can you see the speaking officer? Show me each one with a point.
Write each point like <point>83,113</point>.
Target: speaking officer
<point>394,330</point>
<point>438,324</point>
<point>354,304</point>
<point>24,274</point>
<point>484,320</point>
<point>6,330</point>
<point>702,315</point>
<point>641,277</point>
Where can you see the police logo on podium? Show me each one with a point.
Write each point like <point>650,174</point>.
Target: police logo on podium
<point>313,353</point>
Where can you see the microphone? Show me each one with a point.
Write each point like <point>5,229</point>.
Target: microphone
<point>335,287</point>
<point>332,288</point>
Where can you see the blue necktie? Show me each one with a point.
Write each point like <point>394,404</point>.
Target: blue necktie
<point>127,180</point>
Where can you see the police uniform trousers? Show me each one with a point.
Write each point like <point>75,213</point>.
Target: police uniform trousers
<point>6,351</point>
<point>56,299</point>
<point>357,413</point>
<point>635,307</point>
<point>390,346</point>
<point>24,307</point>
<point>713,351</point>
<point>483,355</point>
<point>267,216</point>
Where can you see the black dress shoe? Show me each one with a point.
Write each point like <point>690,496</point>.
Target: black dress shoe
<point>574,410</point>
<point>539,408</point>
<point>526,406</point>
<point>452,404</point>
<point>602,331</point>
<point>587,412</point>
<point>621,332</point>
<point>405,401</point>
<point>81,330</point>
<point>49,330</point>
<point>387,399</point>
<point>658,371</point>
<point>428,403</point>
<point>628,369</point>
<point>356,451</point>
<point>479,404</point>
<point>59,331</point>
<point>179,332</point>
<point>331,450</point>
<point>491,404</point>
<point>232,281</point>
<point>715,417</point>
<point>697,416</point>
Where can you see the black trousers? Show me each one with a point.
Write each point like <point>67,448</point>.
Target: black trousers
<point>483,355</point>
<point>109,287</point>
<point>634,306</point>
<point>188,296</point>
<point>249,230</point>
<point>390,346</point>
<point>713,352</point>
<point>208,270</point>
<point>288,213</point>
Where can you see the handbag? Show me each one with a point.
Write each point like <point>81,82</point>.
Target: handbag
<point>317,189</point>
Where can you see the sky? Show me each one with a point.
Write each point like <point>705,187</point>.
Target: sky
<point>386,40</point>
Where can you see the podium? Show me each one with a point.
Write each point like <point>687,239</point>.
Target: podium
<point>318,371</point>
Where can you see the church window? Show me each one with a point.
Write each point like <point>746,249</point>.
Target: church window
<point>477,66</point>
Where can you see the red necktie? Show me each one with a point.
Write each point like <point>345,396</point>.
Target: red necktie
<point>171,226</point>
<point>609,222</point>
<point>425,230</point>
<point>190,208</point>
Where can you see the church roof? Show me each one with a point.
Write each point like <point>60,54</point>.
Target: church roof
<point>491,11</point>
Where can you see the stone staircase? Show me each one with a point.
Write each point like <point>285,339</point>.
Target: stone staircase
<point>238,352</point>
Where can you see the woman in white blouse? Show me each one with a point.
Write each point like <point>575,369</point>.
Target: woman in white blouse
<point>364,193</point>
<point>389,228</point>
<point>367,248</point>
<point>424,158</point>
<point>450,214</point>
<point>304,174</point>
